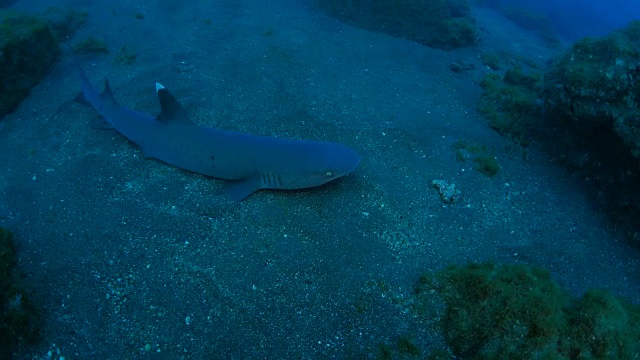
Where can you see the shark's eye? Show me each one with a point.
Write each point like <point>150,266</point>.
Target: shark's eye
<point>328,174</point>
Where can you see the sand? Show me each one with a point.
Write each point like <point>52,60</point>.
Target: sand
<point>128,256</point>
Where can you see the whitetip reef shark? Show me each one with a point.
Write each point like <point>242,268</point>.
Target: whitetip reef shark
<point>248,162</point>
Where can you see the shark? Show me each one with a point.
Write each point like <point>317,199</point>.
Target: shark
<point>248,162</point>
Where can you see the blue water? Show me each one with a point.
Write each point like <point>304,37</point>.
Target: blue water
<point>131,258</point>
<point>574,19</point>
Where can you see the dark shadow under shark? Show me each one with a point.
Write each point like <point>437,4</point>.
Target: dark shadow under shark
<point>249,162</point>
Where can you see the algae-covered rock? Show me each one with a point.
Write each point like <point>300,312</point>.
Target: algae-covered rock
<point>7,257</point>
<point>445,24</point>
<point>534,21</point>
<point>27,51</point>
<point>125,56</point>
<point>485,162</point>
<point>90,45</point>
<point>510,104</point>
<point>595,86</point>
<point>519,312</point>
<point>19,319</point>
<point>64,22</point>
<point>592,97</point>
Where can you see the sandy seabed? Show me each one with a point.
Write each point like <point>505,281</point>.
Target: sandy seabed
<point>129,257</point>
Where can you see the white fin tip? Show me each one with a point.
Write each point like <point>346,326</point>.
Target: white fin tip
<point>159,87</point>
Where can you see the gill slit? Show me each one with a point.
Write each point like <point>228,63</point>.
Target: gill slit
<point>270,180</point>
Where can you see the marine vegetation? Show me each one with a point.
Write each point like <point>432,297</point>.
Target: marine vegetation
<point>511,103</point>
<point>485,163</point>
<point>20,321</point>
<point>592,97</point>
<point>27,50</point>
<point>515,311</point>
<point>534,21</point>
<point>64,22</point>
<point>525,18</point>
<point>491,60</point>
<point>91,45</point>
<point>404,347</point>
<point>444,24</point>
<point>125,56</point>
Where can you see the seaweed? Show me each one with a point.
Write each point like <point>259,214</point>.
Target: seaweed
<point>125,56</point>
<point>27,50</point>
<point>20,321</point>
<point>444,24</point>
<point>91,45</point>
<point>485,162</point>
<point>511,104</point>
<point>515,311</point>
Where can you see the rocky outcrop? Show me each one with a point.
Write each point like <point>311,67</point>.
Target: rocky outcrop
<point>444,24</point>
<point>592,93</point>
<point>28,48</point>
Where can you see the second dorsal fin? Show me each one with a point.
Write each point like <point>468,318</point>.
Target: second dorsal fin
<point>107,94</point>
<point>170,109</point>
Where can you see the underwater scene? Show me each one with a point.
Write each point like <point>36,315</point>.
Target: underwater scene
<point>319,179</point>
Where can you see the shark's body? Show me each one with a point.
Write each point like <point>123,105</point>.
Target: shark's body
<point>250,162</point>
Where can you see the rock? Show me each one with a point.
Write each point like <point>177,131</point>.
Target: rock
<point>592,98</point>
<point>27,50</point>
<point>459,67</point>
<point>443,24</point>
<point>447,191</point>
<point>594,87</point>
<point>64,22</point>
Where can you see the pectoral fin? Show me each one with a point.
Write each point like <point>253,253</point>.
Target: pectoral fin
<point>241,189</point>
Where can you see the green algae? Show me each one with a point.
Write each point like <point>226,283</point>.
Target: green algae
<point>591,97</point>
<point>511,103</point>
<point>125,56</point>
<point>20,320</point>
<point>514,311</point>
<point>485,162</point>
<point>91,45</point>
<point>27,50</point>
<point>64,23</point>
<point>444,24</point>
<point>491,60</point>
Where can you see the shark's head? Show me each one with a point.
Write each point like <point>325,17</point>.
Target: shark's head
<point>327,162</point>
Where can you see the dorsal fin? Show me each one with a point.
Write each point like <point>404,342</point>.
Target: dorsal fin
<point>170,109</point>
<point>106,92</point>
